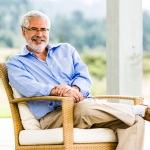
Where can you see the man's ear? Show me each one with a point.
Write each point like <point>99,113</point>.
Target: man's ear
<point>23,32</point>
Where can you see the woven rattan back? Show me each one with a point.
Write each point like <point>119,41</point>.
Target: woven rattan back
<point>4,76</point>
<point>14,108</point>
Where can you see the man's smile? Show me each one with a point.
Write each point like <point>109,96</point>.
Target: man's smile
<point>38,39</point>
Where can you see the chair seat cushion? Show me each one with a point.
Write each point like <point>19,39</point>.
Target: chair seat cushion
<point>55,136</point>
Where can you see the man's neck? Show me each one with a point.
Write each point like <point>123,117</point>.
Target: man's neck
<point>42,55</point>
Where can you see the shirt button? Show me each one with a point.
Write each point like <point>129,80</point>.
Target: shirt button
<point>51,66</point>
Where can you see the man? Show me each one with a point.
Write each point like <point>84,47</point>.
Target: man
<point>42,69</point>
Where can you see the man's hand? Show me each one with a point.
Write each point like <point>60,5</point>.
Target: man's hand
<point>75,94</point>
<point>67,91</point>
<point>61,89</point>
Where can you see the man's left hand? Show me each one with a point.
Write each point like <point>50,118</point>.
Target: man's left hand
<point>61,89</point>
<point>75,94</point>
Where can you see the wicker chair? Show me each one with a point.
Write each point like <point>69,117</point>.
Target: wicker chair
<point>67,111</point>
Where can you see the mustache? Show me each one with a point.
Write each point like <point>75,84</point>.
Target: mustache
<point>37,38</point>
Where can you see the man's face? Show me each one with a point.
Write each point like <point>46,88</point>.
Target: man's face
<point>37,41</point>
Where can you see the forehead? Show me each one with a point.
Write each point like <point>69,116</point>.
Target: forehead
<point>38,23</point>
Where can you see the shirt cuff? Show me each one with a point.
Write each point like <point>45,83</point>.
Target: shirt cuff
<point>79,83</point>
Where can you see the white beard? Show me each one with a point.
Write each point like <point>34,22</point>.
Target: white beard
<point>37,49</point>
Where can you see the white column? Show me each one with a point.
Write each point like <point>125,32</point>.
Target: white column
<point>124,48</point>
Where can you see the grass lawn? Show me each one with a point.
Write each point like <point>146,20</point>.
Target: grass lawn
<point>5,111</point>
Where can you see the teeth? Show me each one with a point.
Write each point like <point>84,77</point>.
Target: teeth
<point>38,39</point>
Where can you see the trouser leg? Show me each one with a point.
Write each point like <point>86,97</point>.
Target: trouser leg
<point>129,138</point>
<point>132,138</point>
<point>91,113</point>
<point>119,117</point>
<point>52,119</point>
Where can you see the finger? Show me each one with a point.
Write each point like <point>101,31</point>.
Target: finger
<point>75,94</point>
<point>62,91</point>
<point>76,98</point>
<point>66,90</point>
<point>61,88</point>
<point>80,96</point>
<point>58,88</point>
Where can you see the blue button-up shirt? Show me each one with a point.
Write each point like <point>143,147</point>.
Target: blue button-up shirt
<point>31,76</point>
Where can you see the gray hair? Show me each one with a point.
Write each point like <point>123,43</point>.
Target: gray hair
<point>24,22</point>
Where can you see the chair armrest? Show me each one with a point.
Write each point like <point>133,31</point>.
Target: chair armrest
<point>67,114</point>
<point>137,100</point>
<point>23,99</point>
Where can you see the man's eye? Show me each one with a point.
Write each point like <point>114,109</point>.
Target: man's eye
<point>43,29</point>
<point>33,29</point>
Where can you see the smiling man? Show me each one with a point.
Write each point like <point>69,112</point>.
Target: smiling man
<point>37,39</point>
<point>43,69</point>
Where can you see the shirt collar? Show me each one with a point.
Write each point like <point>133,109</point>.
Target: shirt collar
<point>25,51</point>
<point>49,47</point>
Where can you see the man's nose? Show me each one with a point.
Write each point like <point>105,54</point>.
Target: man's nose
<point>39,33</point>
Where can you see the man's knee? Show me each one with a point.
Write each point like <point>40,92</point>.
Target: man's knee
<point>82,108</point>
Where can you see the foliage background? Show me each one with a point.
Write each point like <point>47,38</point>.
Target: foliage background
<point>76,28</point>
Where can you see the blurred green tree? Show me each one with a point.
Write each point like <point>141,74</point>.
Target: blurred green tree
<point>10,14</point>
<point>77,17</point>
<point>79,31</point>
<point>83,33</point>
<point>61,39</point>
<point>96,64</point>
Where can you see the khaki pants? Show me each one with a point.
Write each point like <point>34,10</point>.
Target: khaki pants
<point>92,113</point>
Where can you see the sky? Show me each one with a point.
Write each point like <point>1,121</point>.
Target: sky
<point>146,5</point>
